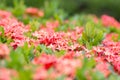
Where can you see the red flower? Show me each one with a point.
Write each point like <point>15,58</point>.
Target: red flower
<point>14,30</point>
<point>55,40</point>
<point>110,21</point>
<point>110,52</point>
<point>116,66</point>
<point>46,60</point>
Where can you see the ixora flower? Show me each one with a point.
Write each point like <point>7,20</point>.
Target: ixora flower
<point>4,51</point>
<point>5,14</point>
<point>116,65</point>
<point>110,52</point>
<point>75,34</point>
<point>49,61</point>
<point>55,40</point>
<point>40,74</point>
<point>112,37</point>
<point>7,74</point>
<point>34,12</point>
<point>15,30</point>
<point>110,21</point>
<point>45,60</point>
<point>103,67</point>
<point>52,25</point>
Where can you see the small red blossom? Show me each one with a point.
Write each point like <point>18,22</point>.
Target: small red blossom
<point>116,66</point>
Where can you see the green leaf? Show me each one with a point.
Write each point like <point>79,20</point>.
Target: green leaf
<point>17,60</point>
<point>91,35</point>
<point>25,75</point>
<point>43,49</point>
<point>88,65</point>
<point>19,8</point>
<point>2,30</point>
<point>34,25</point>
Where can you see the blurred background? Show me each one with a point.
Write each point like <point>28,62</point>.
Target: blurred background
<point>71,7</point>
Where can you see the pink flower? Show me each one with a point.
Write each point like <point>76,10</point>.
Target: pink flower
<point>5,14</point>
<point>112,37</point>
<point>109,52</point>
<point>55,40</point>
<point>34,12</point>
<point>69,65</point>
<point>46,60</point>
<point>52,25</point>
<point>109,21</point>
<point>7,74</point>
<point>95,19</point>
<point>4,51</point>
<point>69,55</point>
<point>116,66</point>
<point>103,68</point>
<point>40,13</point>
<point>14,30</point>
<point>40,74</point>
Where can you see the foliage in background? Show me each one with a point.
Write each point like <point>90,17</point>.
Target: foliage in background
<point>97,7</point>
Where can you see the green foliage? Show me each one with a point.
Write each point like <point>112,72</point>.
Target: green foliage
<point>114,77</point>
<point>50,7</point>
<point>20,57</point>
<point>65,27</point>
<point>3,39</point>
<point>61,77</point>
<point>60,53</point>
<point>17,59</point>
<point>25,75</point>
<point>2,4</point>
<point>97,7</point>
<point>34,25</point>
<point>91,36</point>
<point>60,15</point>
<point>19,8</point>
<point>43,49</point>
<point>88,65</point>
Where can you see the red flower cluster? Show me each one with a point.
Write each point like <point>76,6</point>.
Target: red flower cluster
<point>14,30</point>
<point>110,21</point>
<point>109,52</point>
<point>52,39</point>
<point>57,64</point>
